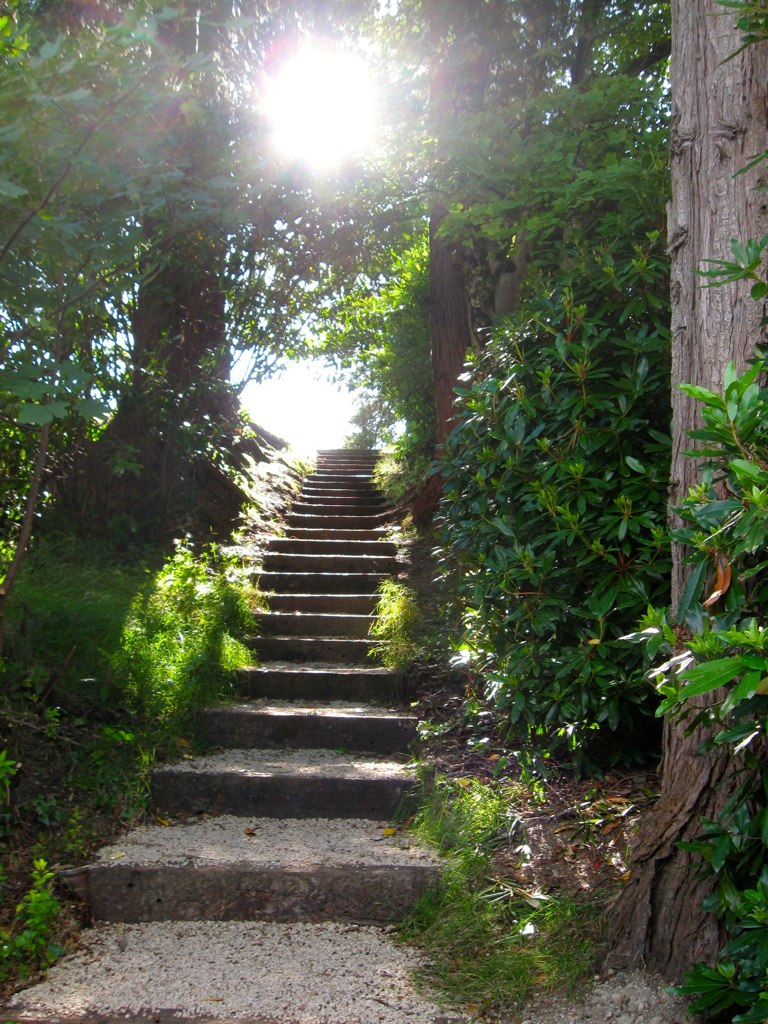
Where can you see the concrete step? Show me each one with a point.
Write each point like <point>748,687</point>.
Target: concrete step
<point>325,604</point>
<point>347,499</point>
<point>283,784</point>
<point>318,521</point>
<point>280,561</point>
<point>214,869</point>
<point>313,648</point>
<point>308,726</point>
<point>310,533</point>
<point>360,512</point>
<point>320,582</point>
<point>333,478</point>
<point>340,546</point>
<point>327,624</point>
<point>340,487</point>
<point>284,681</point>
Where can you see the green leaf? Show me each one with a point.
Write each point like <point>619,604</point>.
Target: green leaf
<point>11,190</point>
<point>38,415</point>
<point>709,676</point>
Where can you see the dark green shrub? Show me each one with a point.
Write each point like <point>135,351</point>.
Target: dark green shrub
<point>554,516</point>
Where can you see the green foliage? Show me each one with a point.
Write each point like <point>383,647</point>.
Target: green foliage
<point>716,651</point>
<point>396,627</point>
<point>180,645</point>
<point>746,265</point>
<point>555,502</point>
<point>489,942</point>
<point>380,332</point>
<point>28,945</point>
<point>158,636</point>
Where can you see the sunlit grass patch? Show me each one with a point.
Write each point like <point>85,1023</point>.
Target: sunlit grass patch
<point>490,942</point>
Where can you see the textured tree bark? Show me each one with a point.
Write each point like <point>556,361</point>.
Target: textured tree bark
<point>449,322</point>
<point>718,124</point>
<point>719,110</point>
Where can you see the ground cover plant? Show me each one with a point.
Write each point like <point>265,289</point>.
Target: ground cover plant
<point>491,940</point>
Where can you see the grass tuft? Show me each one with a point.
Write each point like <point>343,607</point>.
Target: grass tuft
<point>397,625</point>
<point>489,943</point>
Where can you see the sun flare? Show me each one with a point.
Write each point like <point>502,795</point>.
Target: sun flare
<point>322,107</point>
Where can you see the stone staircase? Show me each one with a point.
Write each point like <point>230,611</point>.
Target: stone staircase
<point>286,819</point>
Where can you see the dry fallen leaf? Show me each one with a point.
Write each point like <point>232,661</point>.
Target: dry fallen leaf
<point>722,580</point>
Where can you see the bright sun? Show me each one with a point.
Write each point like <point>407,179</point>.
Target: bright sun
<point>322,106</point>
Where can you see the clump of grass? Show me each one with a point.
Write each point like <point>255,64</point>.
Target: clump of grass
<point>397,625</point>
<point>400,472</point>
<point>180,644</point>
<point>489,942</point>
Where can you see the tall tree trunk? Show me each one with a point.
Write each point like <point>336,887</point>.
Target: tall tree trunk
<point>718,125</point>
<point>449,321</point>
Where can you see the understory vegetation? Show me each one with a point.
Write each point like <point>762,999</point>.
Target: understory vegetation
<point>491,941</point>
<point>106,662</point>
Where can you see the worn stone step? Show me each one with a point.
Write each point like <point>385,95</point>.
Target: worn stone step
<point>284,784</point>
<point>309,726</point>
<point>340,487</point>
<point>353,505</point>
<point>364,515</point>
<point>309,533</point>
<point>216,869</point>
<point>334,478</point>
<point>275,561</point>
<point>323,624</point>
<point>320,582</point>
<point>308,682</point>
<point>328,604</point>
<point>340,546</point>
<point>313,648</point>
<point>335,521</point>
<point>349,499</point>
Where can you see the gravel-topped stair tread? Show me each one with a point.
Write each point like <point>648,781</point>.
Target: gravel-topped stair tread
<point>319,668</point>
<point>310,763</point>
<point>274,842</point>
<point>329,973</point>
<point>333,709</point>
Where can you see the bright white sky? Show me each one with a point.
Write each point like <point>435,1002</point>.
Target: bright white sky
<point>303,406</point>
<point>323,108</point>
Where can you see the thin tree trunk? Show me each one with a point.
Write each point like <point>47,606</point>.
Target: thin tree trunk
<point>718,125</point>
<point>26,524</point>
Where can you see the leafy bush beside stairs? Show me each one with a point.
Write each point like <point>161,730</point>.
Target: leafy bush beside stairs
<point>554,516</point>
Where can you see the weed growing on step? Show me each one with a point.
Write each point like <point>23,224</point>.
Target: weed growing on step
<point>397,625</point>
<point>488,941</point>
<point>29,943</point>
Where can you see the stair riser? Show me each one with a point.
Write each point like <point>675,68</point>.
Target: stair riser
<point>333,522</point>
<point>320,582</point>
<point>325,604</point>
<point>244,730</point>
<point>363,501</point>
<point>338,652</point>
<point>304,533</point>
<point>297,685</point>
<point>274,562</point>
<point>339,489</point>
<point>294,546</point>
<point>290,796</point>
<point>122,893</point>
<point>354,627</point>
